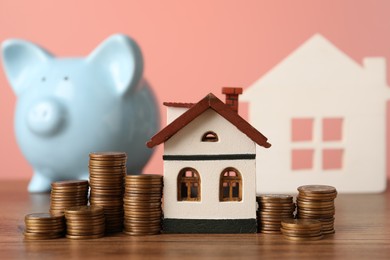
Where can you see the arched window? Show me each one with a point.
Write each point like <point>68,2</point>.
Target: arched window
<point>210,136</point>
<point>230,185</point>
<point>188,185</point>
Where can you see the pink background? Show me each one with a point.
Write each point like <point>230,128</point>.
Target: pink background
<point>190,48</point>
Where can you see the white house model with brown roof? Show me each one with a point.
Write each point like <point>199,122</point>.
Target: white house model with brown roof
<point>209,167</point>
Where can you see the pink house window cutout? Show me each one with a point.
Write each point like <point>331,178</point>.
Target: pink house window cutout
<point>302,129</point>
<point>320,139</point>
<point>332,129</point>
<point>302,159</point>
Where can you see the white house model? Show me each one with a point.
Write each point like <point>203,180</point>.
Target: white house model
<point>326,116</point>
<point>209,167</point>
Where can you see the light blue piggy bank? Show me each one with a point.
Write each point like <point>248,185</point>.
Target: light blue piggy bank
<point>69,107</point>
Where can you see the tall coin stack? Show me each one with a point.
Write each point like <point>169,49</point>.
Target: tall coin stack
<point>106,173</point>
<point>43,226</point>
<point>142,204</point>
<point>301,229</point>
<point>85,222</point>
<point>66,194</point>
<point>316,202</point>
<point>272,210</point>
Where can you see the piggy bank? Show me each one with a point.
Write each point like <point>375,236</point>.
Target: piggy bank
<point>69,107</point>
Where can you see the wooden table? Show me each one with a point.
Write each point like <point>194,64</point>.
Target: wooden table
<point>362,232</point>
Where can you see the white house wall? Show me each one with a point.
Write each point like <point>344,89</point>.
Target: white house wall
<point>319,81</point>
<point>188,140</point>
<point>174,112</point>
<point>210,207</point>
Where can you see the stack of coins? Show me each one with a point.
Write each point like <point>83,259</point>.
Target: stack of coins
<point>85,222</point>
<point>301,229</point>
<point>106,173</point>
<point>142,204</point>
<point>66,194</point>
<point>317,202</point>
<point>44,226</point>
<point>272,209</point>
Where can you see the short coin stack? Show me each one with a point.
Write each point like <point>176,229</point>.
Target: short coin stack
<point>142,204</point>
<point>272,210</point>
<point>106,173</point>
<point>317,202</point>
<point>44,226</point>
<point>66,194</point>
<point>85,222</point>
<point>301,229</point>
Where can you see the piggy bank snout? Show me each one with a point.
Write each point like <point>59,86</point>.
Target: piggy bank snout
<point>46,117</point>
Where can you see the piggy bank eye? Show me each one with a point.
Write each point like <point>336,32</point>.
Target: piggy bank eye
<point>43,79</point>
<point>66,78</point>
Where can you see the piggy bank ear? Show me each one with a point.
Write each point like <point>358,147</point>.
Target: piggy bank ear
<point>121,57</point>
<point>21,59</point>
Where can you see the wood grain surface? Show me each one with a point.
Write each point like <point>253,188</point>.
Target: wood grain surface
<point>362,232</point>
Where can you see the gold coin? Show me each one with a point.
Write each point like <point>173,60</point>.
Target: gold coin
<point>302,232</point>
<point>86,222</point>
<point>140,233</point>
<point>144,177</point>
<point>85,237</point>
<point>69,188</point>
<point>274,198</point>
<point>43,217</point>
<point>84,210</point>
<point>143,219</point>
<point>109,182</point>
<point>69,183</point>
<point>106,163</point>
<point>142,185</point>
<point>108,154</point>
<point>45,225</point>
<point>143,230</point>
<point>96,229</point>
<point>35,236</point>
<point>300,223</point>
<point>270,231</point>
<point>107,170</point>
<point>317,189</point>
<point>303,238</point>
<point>57,201</point>
<point>140,214</point>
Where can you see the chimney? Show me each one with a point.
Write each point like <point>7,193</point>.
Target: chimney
<point>376,69</point>
<point>232,97</point>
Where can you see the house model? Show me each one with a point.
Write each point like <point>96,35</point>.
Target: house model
<point>209,167</point>
<point>327,116</point>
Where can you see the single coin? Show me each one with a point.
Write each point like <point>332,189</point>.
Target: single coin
<point>141,234</point>
<point>300,223</point>
<point>303,238</point>
<point>45,231</point>
<point>300,231</point>
<point>274,198</point>
<point>70,183</point>
<point>144,219</point>
<point>106,163</point>
<point>35,236</point>
<point>42,216</point>
<point>109,154</point>
<point>317,189</point>
<point>84,210</point>
<point>270,231</point>
<point>85,237</point>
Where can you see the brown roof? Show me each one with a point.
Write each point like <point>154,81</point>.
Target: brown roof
<point>175,104</point>
<point>210,101</point>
